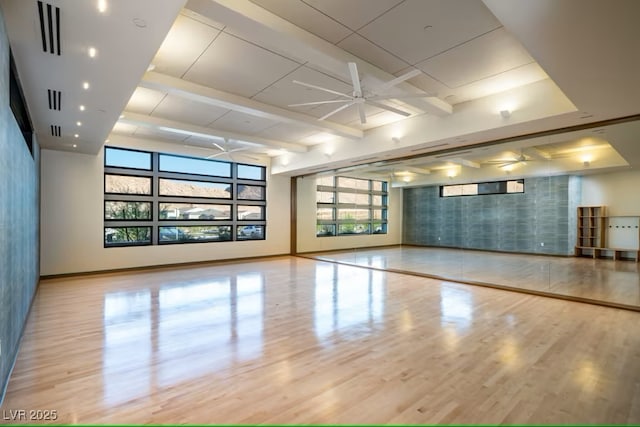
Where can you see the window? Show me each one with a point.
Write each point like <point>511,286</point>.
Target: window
<point>350,206</point>
<point>482,188</point>
<point>158,199</point>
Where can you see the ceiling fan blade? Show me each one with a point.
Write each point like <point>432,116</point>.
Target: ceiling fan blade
<point>324,89</point>
<point>337,110</point>
<point>401,96</point>
<point>319,102</point>
<point>388,85</point>
<point>363,117</point>
<point>386,107</point>
<point>355,79</point>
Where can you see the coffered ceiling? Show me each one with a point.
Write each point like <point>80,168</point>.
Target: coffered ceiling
<point>199,72</point>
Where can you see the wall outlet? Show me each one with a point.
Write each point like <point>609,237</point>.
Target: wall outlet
<point>541,243</point>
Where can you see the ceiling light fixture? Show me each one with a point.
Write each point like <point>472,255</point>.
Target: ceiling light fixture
<point>505,114</point>
<point>102,6</point>
<point>82,108</point>
<point>76,136</point>
<point>85,85</point>
<point>92,52</point>
<point>78,123</point>
<point>75,145</point>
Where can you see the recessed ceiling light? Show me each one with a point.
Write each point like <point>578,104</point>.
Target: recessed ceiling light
<point>85,85</point>
<point>102,6</point>
<point>75,145</point>
<point>82,108</point>
<point>78,123</point>
<point>92,52</point>
<point>76,136</point>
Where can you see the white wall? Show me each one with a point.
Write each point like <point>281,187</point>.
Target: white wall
<point>73,231</point>
<point>306,229</point>
<point>618,191</point>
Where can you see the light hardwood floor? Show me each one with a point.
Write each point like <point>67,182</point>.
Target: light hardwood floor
<point>599,280</point>
<point>292,340</point>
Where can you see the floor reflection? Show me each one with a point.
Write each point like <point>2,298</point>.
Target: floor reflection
<point>346,297</point>
<point>456,307</point>
<point>173,326</point>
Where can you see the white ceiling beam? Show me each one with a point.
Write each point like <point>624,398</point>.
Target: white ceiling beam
<point>282,36</point>
<point>210,96</point>
<point>465,162</point>
<point>164,125</point>
<point>421,171</point>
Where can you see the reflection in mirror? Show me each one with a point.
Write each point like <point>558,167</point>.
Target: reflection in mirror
<point>505,213</point>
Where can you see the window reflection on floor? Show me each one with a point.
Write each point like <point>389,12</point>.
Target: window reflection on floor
<point>456,307</point>
<point>347,298</point>
<point>168,330</point>
<point>127,346</point>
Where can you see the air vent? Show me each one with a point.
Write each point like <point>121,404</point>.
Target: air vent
<point>50,28</point>
<point>453,154</point>
<point>56,131</point>
<point>55,99</point>
<point>368,159</point>
<point>430,146</point>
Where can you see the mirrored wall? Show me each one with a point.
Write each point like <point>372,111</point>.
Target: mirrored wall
<point>512,215</point>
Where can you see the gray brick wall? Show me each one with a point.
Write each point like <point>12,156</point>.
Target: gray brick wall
<point>19,223</point>
<point>545,213</point>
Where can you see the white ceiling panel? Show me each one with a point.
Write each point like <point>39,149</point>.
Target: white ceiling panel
<point>183,45</point>
<point>241,123</point>
<point>144,100</point>
<point>307,18</point>
<point>238,67</point>
<point>511,79</point>
<point>485,56</point>
<point>363,48</point>
<point>154,134</point>
<point>353,13</point>
<point>402,29</point>
<point>286,132</point>
<point>183,110</point>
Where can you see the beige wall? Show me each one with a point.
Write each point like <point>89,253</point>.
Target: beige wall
<point>306,230</point>
<point>72,225</point>
<point>618,191</point>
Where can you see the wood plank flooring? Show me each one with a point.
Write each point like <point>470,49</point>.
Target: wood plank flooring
<point>292,340</point>
<point>599,280</point>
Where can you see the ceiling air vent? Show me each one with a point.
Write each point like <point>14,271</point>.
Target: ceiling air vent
<point>49,28</point>
<point>56,131</point>
<point>55,99</point>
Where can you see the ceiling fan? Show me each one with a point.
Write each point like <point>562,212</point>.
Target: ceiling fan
<point>521,158</point>
<point>359,97</point>
<point>224,150</point>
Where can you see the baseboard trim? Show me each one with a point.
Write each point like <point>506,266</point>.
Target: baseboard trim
<point>161,266</point>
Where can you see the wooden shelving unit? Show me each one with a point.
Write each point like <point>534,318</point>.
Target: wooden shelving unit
<point>591,237</point>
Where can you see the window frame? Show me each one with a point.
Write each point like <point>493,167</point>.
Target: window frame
<point>156,199</point>
<point>336,224</point>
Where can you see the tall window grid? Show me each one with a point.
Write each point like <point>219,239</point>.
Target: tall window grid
<point>350,206</point>
<point>156,199</point>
